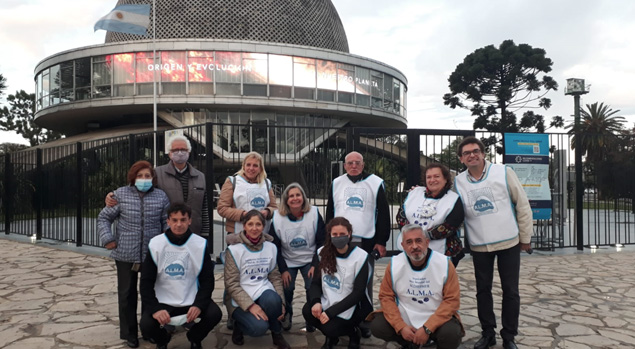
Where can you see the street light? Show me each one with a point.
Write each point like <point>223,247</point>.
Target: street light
<point>575,88</point>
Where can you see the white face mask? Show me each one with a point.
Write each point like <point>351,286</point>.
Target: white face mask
<point>179,157</point>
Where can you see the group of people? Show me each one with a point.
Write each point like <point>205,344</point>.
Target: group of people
<point>268,245</point>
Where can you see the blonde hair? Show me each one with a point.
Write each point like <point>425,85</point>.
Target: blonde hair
<point>254,155</point>
<point>284,206</point>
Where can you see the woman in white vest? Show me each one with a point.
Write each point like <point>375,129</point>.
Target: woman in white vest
<point>337,299</point>
<point>248,189</point>
<point>437,210</point>
<point>298,231</point>
<point>253,286</point>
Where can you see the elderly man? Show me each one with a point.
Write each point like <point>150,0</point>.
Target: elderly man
<point>419,296</point>
<point>182,183</point>
<point>360,197</point>
<point>177,280</point>
<point>498,225</point>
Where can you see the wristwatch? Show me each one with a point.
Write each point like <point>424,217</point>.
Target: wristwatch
<point>428,332</point>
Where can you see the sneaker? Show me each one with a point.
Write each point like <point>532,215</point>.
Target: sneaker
<point>286,322</point>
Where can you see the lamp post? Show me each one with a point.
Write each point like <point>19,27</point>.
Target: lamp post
<point>575,87</point>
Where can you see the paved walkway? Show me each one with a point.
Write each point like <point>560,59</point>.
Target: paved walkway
<point>53,297</point>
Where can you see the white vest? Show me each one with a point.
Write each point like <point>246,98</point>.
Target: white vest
<point>429,213</point>
<point>297,239</point>
<point>418,293</point>
<point>178,268</point>
<point>357,202</point>
<point>489,213</point>
<point>250,196</point>
<point>254,267</point>
<point>339,285</point>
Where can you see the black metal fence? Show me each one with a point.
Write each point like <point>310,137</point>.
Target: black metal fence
<point>57,192</point>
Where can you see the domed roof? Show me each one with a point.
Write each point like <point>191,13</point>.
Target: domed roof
<point>312,23</point>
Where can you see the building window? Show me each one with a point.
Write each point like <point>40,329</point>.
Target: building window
<point>345,83</point>
<point>173,72</point>
<point>228,73</point>
<point>54,83</point>
<point>123,74</point>
<point>82,79</point>
<point>144,71</point>
<point>102,76</point>
<point>377,86</point>
<point>304,78</point>
<point>201,72</point>
<point>255,74</point>
<point>280,76</point>
<point>363,85</point>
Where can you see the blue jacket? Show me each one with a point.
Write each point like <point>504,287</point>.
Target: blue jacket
<point>139,219</point>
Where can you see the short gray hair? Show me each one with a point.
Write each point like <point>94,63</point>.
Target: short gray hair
<point>179,138</point>
<point>408,227</point>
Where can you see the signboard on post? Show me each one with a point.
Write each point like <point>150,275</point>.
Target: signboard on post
<point>528,155</point>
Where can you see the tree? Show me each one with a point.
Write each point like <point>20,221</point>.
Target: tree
<point>3,84</point>
<point>499,82</point>
<point>599,130</point>
<point>6,148</point>
<point>448,156</point>
<point>19,117</point>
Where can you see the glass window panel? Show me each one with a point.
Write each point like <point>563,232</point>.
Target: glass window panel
<point>66,75</point>
<point>54,81</point>
<point>326,75</point>
<point>325,95</point>
<point>304,72</point>
<point>255,68</point>
<point>254,90</point>
<point>38,92</point>
<point>303,93</point>
<point>173,66</point>
<point>362,81</point>
<point>377,85</point>
<point>345,77</point>
<point>228,67</point>
<point>280,91</point>
<point>145,67</point>
<point>280,70</point>
<point>396,95</point>
<point>82,72</point>
<point>201,66</point>
<point>123,68</point>
<point>345,97</point>
<point>101,70</point>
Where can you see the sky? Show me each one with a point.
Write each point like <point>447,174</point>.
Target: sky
<point>426,40</point>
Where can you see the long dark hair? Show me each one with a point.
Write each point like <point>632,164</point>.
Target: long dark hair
<point>328,263</point>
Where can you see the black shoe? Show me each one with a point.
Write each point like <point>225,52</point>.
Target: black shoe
<point>286,322</point>
<point>230,324</point>
<point>237,336</point>
<point>354,339</point>
<point>330,342</point>
<point>133,342</point>
<point>279,341</point>
<point>430,343</point>
<point>196,345</point>
<point>509,344</point>
<point>162,346</point>
<point>365,332</point>
<point>309,328</point>
<point>485,342</point>
<point>148,339</point>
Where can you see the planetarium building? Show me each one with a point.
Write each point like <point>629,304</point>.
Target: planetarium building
<point>283,63</point>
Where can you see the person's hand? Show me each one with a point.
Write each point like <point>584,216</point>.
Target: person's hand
<point>257,311</point>
<point>316,310</point>
<point>193,313</point>
<point>310,273</point>
<point>281,317</point>
<point>265,213</point>
<point>408,333</point>
<point>111,245</point>
<point>413,188</point>
<point>525,247</point>
<point>381,249</point>
<point>421,337</point>
<point>324,318</point>
<point>286,279</point>
<point>162,316</point>
<point>110,199</point>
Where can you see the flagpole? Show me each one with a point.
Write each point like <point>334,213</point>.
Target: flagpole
<point>154,77</point>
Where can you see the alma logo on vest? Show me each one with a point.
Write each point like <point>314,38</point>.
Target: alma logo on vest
<point>256,198</point>
<point>331,281</point>
<point>175,270</point>
<point>176,264</point>
<point>298,237</point>
<point>257,202</point>
<point>298,243</point>
<point>483,201</point>
<point>355,198</point>
<point>258,272</point>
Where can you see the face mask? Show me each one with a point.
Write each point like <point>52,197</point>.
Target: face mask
<point>143,184</point>
<point>180,157</point>
<point>340,241</point>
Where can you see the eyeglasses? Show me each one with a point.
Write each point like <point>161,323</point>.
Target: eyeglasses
<point>351,163</point>
<point>473,152</point>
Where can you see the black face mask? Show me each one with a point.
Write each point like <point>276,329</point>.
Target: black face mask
<point>340,241</point>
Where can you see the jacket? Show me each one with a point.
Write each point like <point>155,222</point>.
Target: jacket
<point>226,206</point>
<point>139,219</point>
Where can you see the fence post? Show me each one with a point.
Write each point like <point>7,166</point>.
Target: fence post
<point>8,202</point>
<point>39,188</point>
<point>80,195</point>
<point>413,176</point>
<point>209,182</point>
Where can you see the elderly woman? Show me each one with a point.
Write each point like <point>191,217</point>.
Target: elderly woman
<point>338,300</point>
<point>437,210</point>
<point>249,189</point>
<point>298,231</point>
<point>141,211</point>
<point>253,286</point>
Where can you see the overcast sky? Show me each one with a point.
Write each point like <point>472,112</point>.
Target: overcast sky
<point>426,40</point>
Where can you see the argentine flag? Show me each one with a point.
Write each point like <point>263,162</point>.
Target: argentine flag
<point>131,19</point>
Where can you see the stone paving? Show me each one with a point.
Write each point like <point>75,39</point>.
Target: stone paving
<point>55,298</point>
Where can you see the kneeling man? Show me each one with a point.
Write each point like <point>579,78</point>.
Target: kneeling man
<point>419,296</point>
<point>177,278</point>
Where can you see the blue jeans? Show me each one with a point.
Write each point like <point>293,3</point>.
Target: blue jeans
<point>271,304</point>
<point>288,291</point>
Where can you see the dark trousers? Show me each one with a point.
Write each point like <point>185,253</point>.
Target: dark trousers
<point>210,317</point>
<point>448,336</point>
<point>336,326</point>
<point>127,299</point>
<point>288,292</point>
<point>508,262</point>
<point>271,304</point>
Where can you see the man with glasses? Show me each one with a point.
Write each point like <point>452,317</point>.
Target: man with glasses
<point>182,183</point>
<point>498,225</point>
<point>360,197</point>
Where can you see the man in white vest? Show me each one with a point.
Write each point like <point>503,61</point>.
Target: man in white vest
<point>360,197</point>
<point>498,225</point>
<point>177,280</point>
<point>419,296</point>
